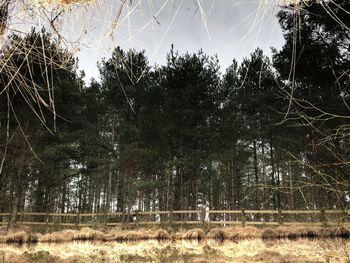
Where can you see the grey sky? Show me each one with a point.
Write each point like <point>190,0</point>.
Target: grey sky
<point>228,28</point>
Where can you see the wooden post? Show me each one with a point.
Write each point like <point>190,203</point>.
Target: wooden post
<point>47,218</point>
<point>203,214</point>
<point>21,217</point>
<point>323,217</point>
<point>243,218</point>
<point>137,219</point>
<point>171,216</point>
<point>280,217</point>
<point>77,219</point>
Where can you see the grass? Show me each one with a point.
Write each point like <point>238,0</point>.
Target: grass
<point>245,250</point>
<point>22,235</point>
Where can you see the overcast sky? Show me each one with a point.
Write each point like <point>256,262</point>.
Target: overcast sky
<point>228,28</point>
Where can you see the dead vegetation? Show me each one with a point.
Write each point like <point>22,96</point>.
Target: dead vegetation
<point>71,235</point>
<point>196,234</point>
<point>24,235</point>
<point>135,235</point>
<point>305,232</point>
<point>230,233</point>
<point>15,237</point>
<point>248,250</point>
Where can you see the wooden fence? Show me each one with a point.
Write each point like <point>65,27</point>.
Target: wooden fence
<point>186,217</point>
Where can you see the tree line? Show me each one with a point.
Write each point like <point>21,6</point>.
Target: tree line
<point>266,134</point>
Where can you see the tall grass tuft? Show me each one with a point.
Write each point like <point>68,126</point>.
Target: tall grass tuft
<point>194,234</point>
<point>19,237</point>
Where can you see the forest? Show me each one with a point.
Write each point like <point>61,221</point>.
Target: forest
<point>265,133</point>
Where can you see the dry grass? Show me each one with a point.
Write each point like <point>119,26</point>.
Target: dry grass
<point>194,234</point>
<point>24,235</point>
<point>229,233</point>
<point>161,234</point>
<point>58,236</point>
<point>71,235</point>
<point>15,237</point>
<point>287,232</point>
<point>218,234</point>
<point>136,235</point>
<point>305,232</point>
<point>87,233</point>
<point>247,250</point>
<point>16,234</point>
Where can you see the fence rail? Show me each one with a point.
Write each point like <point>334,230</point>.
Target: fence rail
<point>185,217</point>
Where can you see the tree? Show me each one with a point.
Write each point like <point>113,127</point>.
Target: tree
<point>314,65</point>
<point>34,154</point>
<point>190,83</point>
<point>124,85</point>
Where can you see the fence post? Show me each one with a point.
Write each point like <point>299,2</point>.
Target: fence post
<point>21,217</point>
<point>323,216</point>
<point>203,214</point>
<point>243,218</point>
<point>137,217</point>
<point>47,218</point>
<point>280,217</point>
<point>171,216</point>
<point>77,219</point>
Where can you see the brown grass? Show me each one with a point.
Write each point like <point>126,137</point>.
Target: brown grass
<point>246,232</point>
<point>87,233</point>
<point>23,235</point>
<point>245,250</point>
<point>136,235</point>
<point>15,237</point>
<point>288,232</point>
<point>161,234</point>
<point>229,233</point>
<point>219,233</point>
<point>57,236</point>
<point>71,235</point>
<point>194,234</point>
<point>294,232</point>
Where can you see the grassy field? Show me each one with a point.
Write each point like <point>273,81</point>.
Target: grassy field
<point>235,244</point>
<point>247,250</point>
<point>22,234</point>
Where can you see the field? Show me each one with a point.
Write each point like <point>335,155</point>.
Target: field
<point>248,250</point>
<point>281,244</point>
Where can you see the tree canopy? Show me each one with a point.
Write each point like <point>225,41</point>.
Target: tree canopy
<point>267,133</point>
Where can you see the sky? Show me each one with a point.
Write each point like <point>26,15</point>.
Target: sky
<point>91,29</point>
<point>228,28</point>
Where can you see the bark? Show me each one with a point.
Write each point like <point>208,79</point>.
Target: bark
<point>273,182</point>
<point>3,159</point>
<point>170,192</point>
<point>291,191</point>
<point>278,185</point>
<point>110,174</point>
<point>15,206</point>
<point>18,185</point>
<point>264,170</point>
<point>257,201</point>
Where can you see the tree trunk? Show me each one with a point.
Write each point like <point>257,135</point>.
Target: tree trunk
<point>15,205</point>
<point>265,191</point>
<point>273,182</point>
<point>110,174</point>
<point>7,135</point>
<point>291,190</point>
<point>257,201</point>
